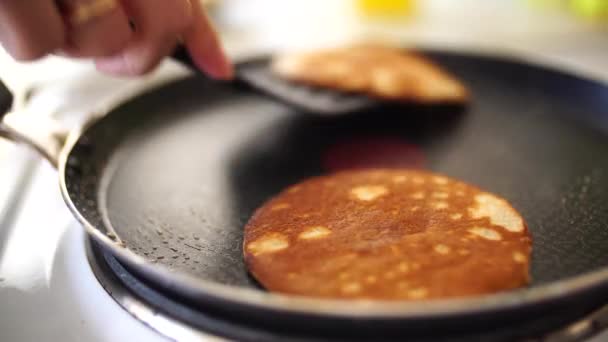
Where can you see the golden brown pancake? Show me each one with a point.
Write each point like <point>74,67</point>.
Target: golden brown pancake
<point>374,70</point>
<point>387,234</point>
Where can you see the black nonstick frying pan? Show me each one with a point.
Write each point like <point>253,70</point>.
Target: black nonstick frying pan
<point>166,181</point>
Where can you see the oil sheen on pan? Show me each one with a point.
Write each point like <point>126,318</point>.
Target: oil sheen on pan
<point>387,234</point>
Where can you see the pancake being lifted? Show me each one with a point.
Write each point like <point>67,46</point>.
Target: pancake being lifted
<point>387,234</point>
<point>375,70</point>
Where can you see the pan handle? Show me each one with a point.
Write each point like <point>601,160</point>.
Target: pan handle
<point>41,133</point>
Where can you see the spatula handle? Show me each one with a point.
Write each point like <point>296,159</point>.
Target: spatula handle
<point>181,55</point>
<point>6,100</point>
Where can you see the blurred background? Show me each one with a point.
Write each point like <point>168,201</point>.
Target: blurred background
<point>569,34</point>
<point>570,29</point>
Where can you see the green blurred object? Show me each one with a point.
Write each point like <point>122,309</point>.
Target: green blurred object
<point>590,9</point>
<point>594,10</point>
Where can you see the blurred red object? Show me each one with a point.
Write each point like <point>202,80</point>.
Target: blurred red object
<point>373,152</point>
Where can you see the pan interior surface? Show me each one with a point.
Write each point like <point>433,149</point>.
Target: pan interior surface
<point>177,172</point>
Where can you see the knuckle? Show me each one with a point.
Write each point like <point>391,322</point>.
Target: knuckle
<point>28,49</point>
<point>27,52</point>
<point>102,43</point>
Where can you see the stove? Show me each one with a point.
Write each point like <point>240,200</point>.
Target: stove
<point>182,322</point>
<point>168,316</point>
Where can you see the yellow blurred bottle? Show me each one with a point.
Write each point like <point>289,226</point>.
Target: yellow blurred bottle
<point>386,9</point>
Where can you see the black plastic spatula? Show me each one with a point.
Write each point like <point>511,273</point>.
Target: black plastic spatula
<point>314,100</point>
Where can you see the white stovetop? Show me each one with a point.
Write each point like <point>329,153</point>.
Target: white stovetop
<point>47,290</point>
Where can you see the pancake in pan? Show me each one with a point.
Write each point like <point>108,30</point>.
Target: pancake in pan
<point>389,235</point>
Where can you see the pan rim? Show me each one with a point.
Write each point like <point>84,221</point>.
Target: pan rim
<point>342,309</point>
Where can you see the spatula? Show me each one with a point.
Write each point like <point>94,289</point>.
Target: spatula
<point>314,100</point>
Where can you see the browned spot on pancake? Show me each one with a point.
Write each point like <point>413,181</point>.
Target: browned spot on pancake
<point>376,70</point>
<point>387,244</point>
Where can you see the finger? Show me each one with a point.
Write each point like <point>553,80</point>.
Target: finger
<point>205,47</point>
<point>158,23</point>
<point>100,36</point>
<point>136,61</point>
<point>30,29</point>
<point>157,18</point>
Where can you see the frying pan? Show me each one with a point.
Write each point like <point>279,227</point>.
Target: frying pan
<point>165,182</point>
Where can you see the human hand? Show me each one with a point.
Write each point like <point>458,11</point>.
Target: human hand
<point>123,37</point>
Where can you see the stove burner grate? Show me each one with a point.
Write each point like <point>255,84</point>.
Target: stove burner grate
<point>182,322</point>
